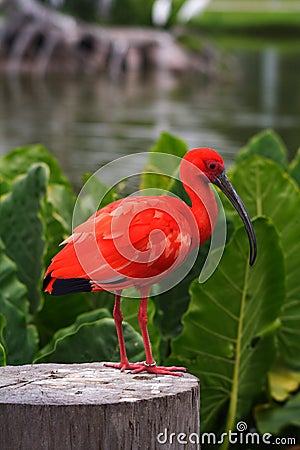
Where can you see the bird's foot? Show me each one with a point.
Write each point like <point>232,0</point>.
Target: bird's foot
<point>124,365</point>
<point>160,370</point>
<point>139,367</point>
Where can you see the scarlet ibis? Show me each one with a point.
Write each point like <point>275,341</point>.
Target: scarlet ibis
<point>137,241</point>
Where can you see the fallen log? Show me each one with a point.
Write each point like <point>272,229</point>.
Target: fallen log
<point>36,38</point>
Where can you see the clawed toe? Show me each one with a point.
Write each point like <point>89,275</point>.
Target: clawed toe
<point>161,370</point>
<point>124,366</point>
<point>139,367</point>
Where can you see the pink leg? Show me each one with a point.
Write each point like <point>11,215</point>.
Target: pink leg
<point>150,365</point>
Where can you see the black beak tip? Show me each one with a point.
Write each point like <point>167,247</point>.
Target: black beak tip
<point>252,260</point>
<point>253,254</point>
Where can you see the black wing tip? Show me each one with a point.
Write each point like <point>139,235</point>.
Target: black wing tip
<point>63,286</point>
<point>46,281</point>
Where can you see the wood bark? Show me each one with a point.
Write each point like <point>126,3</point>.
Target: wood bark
<point>90,406</point>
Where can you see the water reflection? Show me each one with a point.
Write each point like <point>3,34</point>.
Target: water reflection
<point>87,122</point>
<point>269,81</point>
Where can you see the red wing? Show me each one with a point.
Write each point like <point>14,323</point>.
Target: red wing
<point>132,238</point>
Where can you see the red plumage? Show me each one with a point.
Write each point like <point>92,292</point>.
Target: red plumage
<point>127,243</point>
<point>140,240</point>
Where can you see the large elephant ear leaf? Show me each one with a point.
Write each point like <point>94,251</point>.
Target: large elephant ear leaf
<point>18,162</point>
<point>268,190</point>
<point>228,334</point>
<point>274,418</point>
<point>294,168</point>
<point>18,338</point>
<point>22,231</point>
<point>267,144</point>
<point>91,338</point>
<point>161,170</point>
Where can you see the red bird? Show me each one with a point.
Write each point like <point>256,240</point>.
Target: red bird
<point>140,240</point>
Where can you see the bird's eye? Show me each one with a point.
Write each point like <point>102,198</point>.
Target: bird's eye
<point>212,166</point>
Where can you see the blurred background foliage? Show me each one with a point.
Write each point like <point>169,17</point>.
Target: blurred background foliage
<point>239,331</point>
<point>213,14</point>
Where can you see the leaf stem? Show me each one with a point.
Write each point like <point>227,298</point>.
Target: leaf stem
<point>231,418</point>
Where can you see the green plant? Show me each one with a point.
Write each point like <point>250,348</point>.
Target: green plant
<point>234,337</point>
<point>239,332</point>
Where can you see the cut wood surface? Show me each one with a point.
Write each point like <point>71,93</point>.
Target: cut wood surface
<point>90,406</point>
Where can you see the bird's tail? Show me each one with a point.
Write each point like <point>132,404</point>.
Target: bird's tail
<point>62,286</point>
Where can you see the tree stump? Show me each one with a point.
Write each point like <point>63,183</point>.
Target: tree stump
<point>93,407</point>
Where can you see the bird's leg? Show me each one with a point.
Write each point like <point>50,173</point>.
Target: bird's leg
<point>118,317</point>
<point>150,365</point>
<point>124,364</point>
<point>143,320</point>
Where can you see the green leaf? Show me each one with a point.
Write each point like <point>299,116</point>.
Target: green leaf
<point>168,143</point>
<point>22,231</point>
<point>63,200</point>
<point>18,162</point>
<point>294,168</point>
<point>267,190</point>
<point>20,338</point>
<point>2,341</point>
<point>57,213</point>
<point>227,340</point>
<point>85,317</point>
<point>282,382</point>
<point>94,195</point>
<point>91,338</point>
<point>58,209</point>
<point>59,312</point>
<point>130,313</point>
<point>267,144</point>
<point>55,230</point>
<point>272,419</point>
<point>2,355</point>
<point>171,305</point>
<point>158,164</point>
<point>4,186</point>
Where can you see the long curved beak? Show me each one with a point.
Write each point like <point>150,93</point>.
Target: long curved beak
<point>226,187</point>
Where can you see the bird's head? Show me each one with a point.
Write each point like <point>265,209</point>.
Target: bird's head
<point>211,164</point>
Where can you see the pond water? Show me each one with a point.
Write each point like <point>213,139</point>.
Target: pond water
<point>87,122</point>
